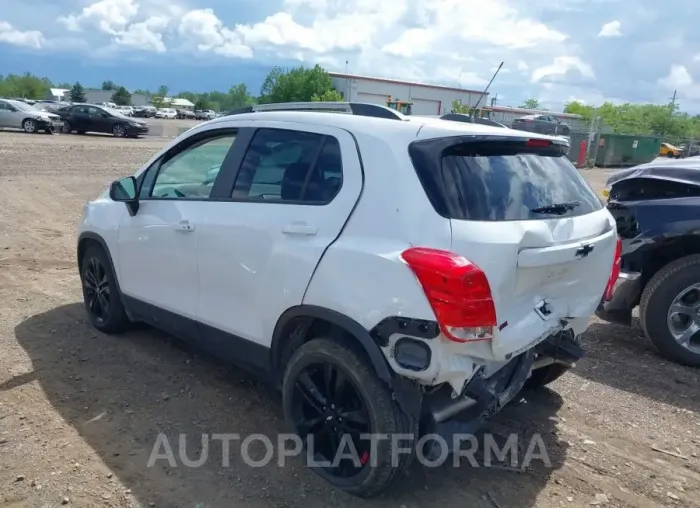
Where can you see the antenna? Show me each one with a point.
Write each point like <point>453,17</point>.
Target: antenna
<point>473,109</point>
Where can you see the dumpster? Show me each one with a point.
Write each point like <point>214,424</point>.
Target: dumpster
<point>618,150</point>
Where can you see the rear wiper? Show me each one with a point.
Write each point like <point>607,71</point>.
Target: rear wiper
<point>557,208</point>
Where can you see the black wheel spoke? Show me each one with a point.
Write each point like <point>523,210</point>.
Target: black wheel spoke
<point>96,284</point>
<point>327,407</point>
<point>311,393</point>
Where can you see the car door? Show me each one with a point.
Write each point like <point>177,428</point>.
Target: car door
<point>98,120</point>
<point>295,188</point>
<point>78,119</point>
<point>158,245</point>
<point>6,119</point>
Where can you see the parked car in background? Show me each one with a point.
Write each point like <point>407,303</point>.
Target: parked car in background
<point>657,210</point>
<point>20,115</point>
<point>542,124</point>
<point>690,150</point>
<point>124,110</point>
<point>185,114</point>
<point>204,114</point>
<point>145,112</point>
<point>499,250</point>
<point>82,118</point>
<point>668,150</point>
<point>169,113</point>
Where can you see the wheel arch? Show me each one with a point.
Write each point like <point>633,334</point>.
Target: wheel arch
<point>667,251</point>
<point>302,323</point>
<point>88,238</point>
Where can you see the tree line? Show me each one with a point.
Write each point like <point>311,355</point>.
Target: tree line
<point>299,84</point>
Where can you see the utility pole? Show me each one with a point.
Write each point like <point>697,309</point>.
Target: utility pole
<point>673,99</point>
<point>347,83</point>
<point>494,99</point>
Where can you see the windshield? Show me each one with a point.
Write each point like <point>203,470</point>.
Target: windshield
<point>23,106</point>
<point>504,181</point>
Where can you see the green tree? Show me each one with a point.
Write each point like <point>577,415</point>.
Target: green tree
<point>238,97</point>
<point>328,96</point>
<point>531,104</point>
<point>202,104</point>
<point>121,97</point>
<point>109,85</point>
<point>458,107</point>
<point>26,86</point>
<point>296,85</point>
<point>158,99</point>
<point>141,91</point>
<point>77,93</point>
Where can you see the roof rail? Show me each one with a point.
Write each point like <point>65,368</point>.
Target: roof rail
<point>348,108</point>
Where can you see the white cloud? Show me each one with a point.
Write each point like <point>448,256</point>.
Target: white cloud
<point>146,35</point>
<point>110,16</point>
<point>29,38</point>
<point>678,78</point>
<point>611,29</point>
<point>202,27</point>
<point>560,67</point>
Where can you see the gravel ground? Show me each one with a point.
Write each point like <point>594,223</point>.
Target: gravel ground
<point>80,411</point>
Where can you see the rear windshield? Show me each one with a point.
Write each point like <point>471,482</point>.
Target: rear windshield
<point>502,181</point>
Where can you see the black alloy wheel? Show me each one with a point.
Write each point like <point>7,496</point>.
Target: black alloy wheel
<point>96,290</point>
<point>327,406</point>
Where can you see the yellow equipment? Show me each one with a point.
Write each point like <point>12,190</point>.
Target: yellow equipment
<point>404,107</point>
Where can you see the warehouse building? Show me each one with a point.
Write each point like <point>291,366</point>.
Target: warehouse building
<point>426,99</point>
<point>94,96</point>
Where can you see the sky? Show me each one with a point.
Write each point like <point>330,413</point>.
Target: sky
<point>556,51</point>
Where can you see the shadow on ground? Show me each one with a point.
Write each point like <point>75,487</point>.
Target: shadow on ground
<point>121,393</point>
<point>624,359</point>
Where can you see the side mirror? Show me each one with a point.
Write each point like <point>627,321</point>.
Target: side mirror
<point>124,190</point>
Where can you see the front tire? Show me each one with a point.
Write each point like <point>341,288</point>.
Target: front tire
<point>669,311</point>
<point>119,131</point>
<point>66,128</point>
<point>29,126</point>
<point>100,292</point>
<point>329,391</point>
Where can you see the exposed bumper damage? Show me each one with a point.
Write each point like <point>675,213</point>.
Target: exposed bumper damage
<point>482,397</point>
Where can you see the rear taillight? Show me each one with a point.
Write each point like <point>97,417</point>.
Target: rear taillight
<point>538,143</point>
<point>615,273</point>
<point>458,292</point>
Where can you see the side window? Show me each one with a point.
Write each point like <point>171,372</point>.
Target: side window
<point>190,173</point>
<point>3,106</point>
<point>93,111</point>
<point>286,165</point>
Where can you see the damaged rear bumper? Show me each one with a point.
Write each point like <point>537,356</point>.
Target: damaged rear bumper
<point>482,397</point>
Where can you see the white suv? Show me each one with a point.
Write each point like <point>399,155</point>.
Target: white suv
<point>387,275</point>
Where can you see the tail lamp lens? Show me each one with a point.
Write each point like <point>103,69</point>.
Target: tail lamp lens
<point>457,290</point>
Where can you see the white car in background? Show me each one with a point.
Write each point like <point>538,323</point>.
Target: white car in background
<point>124,110</point>
<point>169,113</point>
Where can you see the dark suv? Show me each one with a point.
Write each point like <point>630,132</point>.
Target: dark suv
<point>542,124</point>
<point>657,210</point>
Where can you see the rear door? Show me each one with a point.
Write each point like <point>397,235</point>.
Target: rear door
<point>295,189</point>
<point>545,265</point>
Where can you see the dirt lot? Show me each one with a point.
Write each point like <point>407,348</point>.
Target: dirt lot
<point>80,412</point>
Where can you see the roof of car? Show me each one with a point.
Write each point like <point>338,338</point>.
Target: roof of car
<point>413,126</point>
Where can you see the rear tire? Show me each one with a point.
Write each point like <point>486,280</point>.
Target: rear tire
<point>97,276</point>
<point>663,288</point>
<point>381,414</point>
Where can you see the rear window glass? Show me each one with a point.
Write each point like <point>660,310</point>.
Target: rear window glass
<point>486,182</point>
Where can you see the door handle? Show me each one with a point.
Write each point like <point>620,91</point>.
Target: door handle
<point>184,225</point>
<point>299,229</point>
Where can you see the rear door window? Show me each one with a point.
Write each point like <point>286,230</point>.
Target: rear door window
<point>502,181</point>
